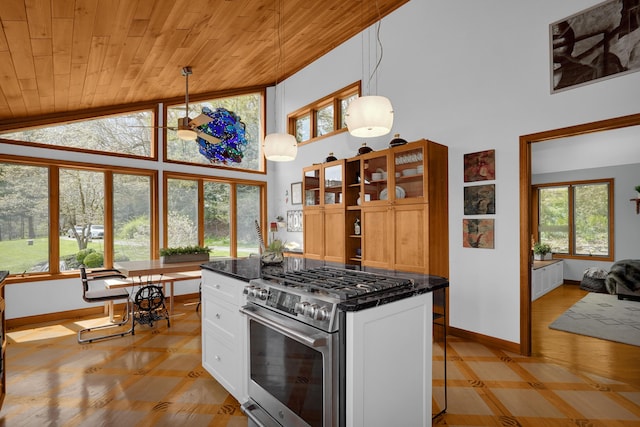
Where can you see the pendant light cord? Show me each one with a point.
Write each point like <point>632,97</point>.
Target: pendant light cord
<point>379,43</point>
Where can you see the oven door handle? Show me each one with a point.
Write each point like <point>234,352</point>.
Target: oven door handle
<point>314,342</point>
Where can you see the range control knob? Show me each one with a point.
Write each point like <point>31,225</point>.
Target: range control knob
<point>322,313</point>
<point>311,310</point>
<point>247,289</point>
<point>262,294</point>
<point>300,307</point>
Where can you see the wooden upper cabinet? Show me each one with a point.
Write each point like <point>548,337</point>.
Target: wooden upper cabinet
<point>399,198</point>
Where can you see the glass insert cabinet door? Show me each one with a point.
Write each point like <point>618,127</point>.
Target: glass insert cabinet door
<point>333,185</point>
<point>375,175</point>
<point>311,185</point>
<point>409,173</point>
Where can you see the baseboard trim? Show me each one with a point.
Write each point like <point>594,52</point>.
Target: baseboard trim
<point>485,340</point>
<point>71,314</point>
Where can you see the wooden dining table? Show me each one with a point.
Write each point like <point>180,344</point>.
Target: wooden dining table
<point>155,271</point>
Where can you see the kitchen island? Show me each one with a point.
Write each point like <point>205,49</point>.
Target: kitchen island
<point>379,346</point>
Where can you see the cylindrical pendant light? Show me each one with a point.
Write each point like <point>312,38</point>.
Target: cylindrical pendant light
<point>280,147</point>
<point>369,116</point>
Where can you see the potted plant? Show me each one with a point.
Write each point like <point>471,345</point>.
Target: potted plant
<point>637,191</point>
<point>273,253</point>
<point>184,254</point>
<point>541,251</point>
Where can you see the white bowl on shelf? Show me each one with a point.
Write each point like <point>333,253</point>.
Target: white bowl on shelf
<point>420,169</point>
<point>376,176</point>
<point>409,172</point>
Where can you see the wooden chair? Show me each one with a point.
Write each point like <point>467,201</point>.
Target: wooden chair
<point>101,294</point>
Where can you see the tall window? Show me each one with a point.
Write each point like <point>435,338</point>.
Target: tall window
<point>576,218</point>
<point>182,212</point>
<point>248,108</point>
<point>213,212</point>
<point>36,194</point>
<point>248,212</point>
<point>217,217</point>
<point>24,218</point>
<point>132,217</point>
<point>81,216</point>
<point>128,133</point>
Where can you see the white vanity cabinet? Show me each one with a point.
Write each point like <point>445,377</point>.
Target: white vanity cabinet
<point>546,276</point>
<point>224,336</point>
<point>389,364</point>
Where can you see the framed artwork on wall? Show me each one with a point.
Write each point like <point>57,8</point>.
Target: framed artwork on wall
<point>480,199</point>
<point>296,193</point>
<point>480,166</point>
<point>478,233</point>
<point>294,220</point>
<point>595,44</point>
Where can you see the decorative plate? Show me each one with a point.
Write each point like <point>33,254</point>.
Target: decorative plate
<point>400,193</point>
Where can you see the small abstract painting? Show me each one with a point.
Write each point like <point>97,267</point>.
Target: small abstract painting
<point>480,166</point>
<point>478,233</point>
<point>480,199</point>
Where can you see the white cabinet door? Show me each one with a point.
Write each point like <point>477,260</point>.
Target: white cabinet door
<point>224,332</point>
<point>389,362</point>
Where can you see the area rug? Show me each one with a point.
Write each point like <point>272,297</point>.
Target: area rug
<point>602,316</point>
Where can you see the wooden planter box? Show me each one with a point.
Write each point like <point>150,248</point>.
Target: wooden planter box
<point>169,259</point>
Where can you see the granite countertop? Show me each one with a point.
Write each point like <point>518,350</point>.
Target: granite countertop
<point>246,269</point>
<point>3,275</point>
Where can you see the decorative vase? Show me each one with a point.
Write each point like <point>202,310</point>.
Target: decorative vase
<point>364,149</point>
<point>397,141</point>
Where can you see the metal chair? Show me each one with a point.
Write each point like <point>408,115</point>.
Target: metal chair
<point>104,295</point>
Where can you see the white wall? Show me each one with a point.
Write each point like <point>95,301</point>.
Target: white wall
<point>473,76</point>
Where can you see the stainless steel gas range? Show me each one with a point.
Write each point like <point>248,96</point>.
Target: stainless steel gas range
<point>301,340</point>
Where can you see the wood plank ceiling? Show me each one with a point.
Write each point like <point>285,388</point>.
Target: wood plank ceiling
<point>58,57</point>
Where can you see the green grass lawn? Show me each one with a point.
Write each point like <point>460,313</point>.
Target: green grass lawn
<point>18,256</point>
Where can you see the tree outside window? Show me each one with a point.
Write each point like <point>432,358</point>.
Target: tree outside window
<point>24,218</point>
<point>575,219</point>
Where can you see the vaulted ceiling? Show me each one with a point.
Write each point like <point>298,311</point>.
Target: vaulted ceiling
<point>63,56</point>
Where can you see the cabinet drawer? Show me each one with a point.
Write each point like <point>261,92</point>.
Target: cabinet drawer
<point>222,362</point>
<point>222,287</point>
<point>222,319</point>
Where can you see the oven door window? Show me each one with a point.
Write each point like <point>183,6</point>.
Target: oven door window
<point>290,371</point>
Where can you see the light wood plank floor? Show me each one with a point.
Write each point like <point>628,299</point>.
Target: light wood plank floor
<point>155,378</point>
<point>607,358</point>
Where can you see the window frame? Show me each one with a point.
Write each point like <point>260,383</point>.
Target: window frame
<point>176,102</point>
<point>76,117</point>
<point>570,185</point>
<point>311,110</point>
<point>54,167</point>
<point>200,179</point>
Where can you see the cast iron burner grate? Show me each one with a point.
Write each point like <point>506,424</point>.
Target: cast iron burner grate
<point>338,283</point>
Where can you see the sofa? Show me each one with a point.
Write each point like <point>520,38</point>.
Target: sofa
<point>624,275</point>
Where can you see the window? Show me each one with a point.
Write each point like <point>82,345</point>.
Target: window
<point>132,219</point>
<point>223,218</point>
<point>323,117</point>
<point>35,193</point>
<point>575,218</point>
<point>127,133</point>
<point>248,107</point>
<point>81,207</point>
<point>24,218</point>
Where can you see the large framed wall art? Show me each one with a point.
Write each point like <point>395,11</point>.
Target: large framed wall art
<point>594,44</point>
